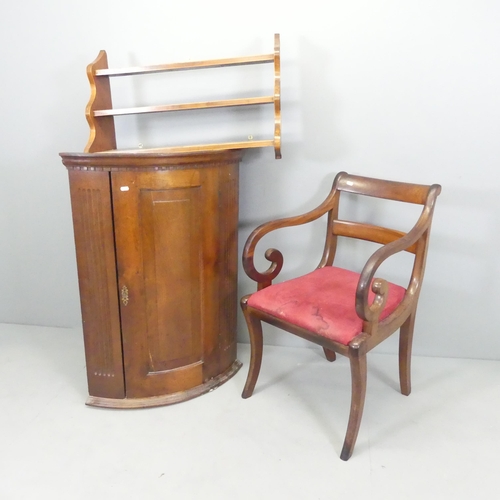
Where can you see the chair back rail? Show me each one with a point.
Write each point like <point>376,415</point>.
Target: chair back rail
<point>369,232</point>
<point>389,190</point>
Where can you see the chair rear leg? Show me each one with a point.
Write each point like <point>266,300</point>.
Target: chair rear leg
<point>358,374</point>
<point>256,342</point>
<point>329,354</point>
<point>405,345</point>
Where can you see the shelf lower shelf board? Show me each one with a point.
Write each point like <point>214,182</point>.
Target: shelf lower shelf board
<point>195,148</point>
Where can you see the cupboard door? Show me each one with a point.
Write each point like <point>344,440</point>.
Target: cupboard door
<point>163,262</point>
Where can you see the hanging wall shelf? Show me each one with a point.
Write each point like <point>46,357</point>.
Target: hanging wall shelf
<point>100,112</point>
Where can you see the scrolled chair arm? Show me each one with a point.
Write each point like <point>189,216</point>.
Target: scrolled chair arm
<point>371,312</point>
<point>365,310</point>
<point>273,255</point>
<point>265,277</point>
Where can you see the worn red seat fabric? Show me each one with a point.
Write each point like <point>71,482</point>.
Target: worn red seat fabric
<point>343,311</point>
<point>323,302</point>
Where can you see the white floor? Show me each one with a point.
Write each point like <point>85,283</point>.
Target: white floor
<point>442,442</point>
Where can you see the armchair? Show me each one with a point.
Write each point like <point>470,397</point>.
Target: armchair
<point>343,311</point>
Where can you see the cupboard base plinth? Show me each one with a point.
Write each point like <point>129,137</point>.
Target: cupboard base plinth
<point>167,399</point>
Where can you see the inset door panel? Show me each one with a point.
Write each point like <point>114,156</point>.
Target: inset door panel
<point>170,230</point>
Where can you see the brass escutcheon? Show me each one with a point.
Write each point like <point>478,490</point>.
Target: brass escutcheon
<point>124,295</point>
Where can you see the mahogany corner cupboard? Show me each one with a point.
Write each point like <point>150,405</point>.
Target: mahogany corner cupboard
<point>156,249</point>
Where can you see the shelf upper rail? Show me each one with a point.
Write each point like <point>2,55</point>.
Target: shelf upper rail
<point>100,111</point>
<point>182,66</point>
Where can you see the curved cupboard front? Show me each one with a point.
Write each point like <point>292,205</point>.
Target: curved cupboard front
<point>156,248</point>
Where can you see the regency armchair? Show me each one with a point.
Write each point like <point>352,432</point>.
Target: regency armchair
<point>343,311</point>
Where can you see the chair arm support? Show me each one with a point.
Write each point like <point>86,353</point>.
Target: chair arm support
<point>272,254</point>
<point>371,312</point>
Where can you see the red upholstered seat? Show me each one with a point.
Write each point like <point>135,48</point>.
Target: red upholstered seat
<point>322,302</point>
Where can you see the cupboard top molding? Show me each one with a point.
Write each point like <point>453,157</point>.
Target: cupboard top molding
<point>100,112</point>
<point>118,161</point>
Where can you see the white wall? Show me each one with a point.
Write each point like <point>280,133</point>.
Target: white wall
<point>384,88</point>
